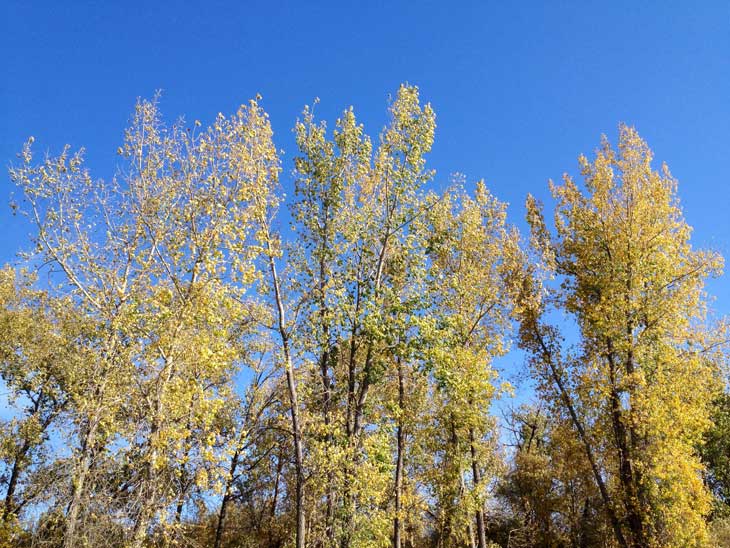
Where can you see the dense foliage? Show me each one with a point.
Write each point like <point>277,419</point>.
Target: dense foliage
<point>182,372</point>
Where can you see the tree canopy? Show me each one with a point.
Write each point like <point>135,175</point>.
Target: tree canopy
<point>183,370</point>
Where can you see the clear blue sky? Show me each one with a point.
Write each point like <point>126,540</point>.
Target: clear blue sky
<point>519,88</point>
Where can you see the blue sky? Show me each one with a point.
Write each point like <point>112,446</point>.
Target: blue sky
<point>519,88</point>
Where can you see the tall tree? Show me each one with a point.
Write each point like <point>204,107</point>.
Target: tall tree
<point>471,249</point>
<point>354,213</point>
<point>637,388</point>
<point>160,261</point>
<point>328,172</point>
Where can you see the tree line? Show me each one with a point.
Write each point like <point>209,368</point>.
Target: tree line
<point>181,371</point>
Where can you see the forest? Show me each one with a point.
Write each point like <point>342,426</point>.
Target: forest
<point>192,357</point>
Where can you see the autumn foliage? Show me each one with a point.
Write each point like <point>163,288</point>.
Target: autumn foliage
<point>184,370</point>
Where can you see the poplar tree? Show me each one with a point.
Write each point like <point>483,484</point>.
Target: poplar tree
<point>638,385</point>
<point>471,248</point>
<point>158,260</point>
<point>356,272</point>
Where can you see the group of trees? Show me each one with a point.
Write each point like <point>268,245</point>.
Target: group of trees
<point>181,371</point>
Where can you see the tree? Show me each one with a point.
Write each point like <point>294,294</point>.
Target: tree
<point>469,246</point>
<point>328,173</point>
<point>38,355</point>
<point>159,263</point>
<point>356,272</point>
<point>715,453</point>
<point>637,388</point>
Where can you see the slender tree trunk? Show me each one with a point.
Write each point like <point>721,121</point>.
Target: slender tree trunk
<point>149,489</point>
<point>477,479</point>
<point>354,440</point>
<point>470,526</point>
<point>452,495</point>
<point>298,454</point>
<point>626,473</point>
<point>79,484</point>
<point>148,498</point>
<point>221,520</point>
<point>275,543</point>
<point>578,425</point>
<point>226,499</point>
<point>324,371</point>
<point>9,504</point>
<point>20,455</point>
<point>326,397</point>
<point>347,496</point>
<point>357,397</point>
<point>179,510</point>
<point>397,525</point>
<point>293,403</point>
<point>184,480</point>
<point>10,494</point>
<point>626,445</point>
<point>140,528</point>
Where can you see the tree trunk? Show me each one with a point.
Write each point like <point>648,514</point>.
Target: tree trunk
<point>149,489</point>
<point>184,479</point>
<point>293,403</point>
<point>324,373</point>
<point>298,454</point>
<point>627,475</point>
<point>79,484</point>
<point>470,526</point>
<point>399,459</point>
<point>224,503</point>
<point>9,504</point>
<point>148,498</point>
<point>275,542</point>
<point>556,378</point>
<point>477,479</point>
<point>326,396</point>
<point>140,527</point>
